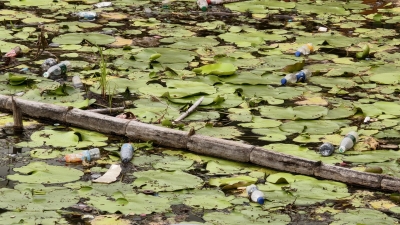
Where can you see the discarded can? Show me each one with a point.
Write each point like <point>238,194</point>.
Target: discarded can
<point>102,4</point>
<point>126,153</point>
<point>326,149</point>
<point>87,155</point>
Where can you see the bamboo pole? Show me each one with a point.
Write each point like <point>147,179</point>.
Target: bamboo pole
<point>226,149</point>
<point>17,117</point>
<point>190,110</point>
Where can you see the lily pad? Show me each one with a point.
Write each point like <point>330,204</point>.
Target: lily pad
<point>158,180</point>
<point>40,172</point>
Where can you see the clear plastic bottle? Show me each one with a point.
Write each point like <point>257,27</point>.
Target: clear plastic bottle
<point>257,196</point>
<point>250,189</point>
<point>87,15</point>
<point>296,77</point>
<point>76,81</point>
<point>165,4</point>
<point>126,153</point>
<point>87,155</point>
<point>203,5</point>
<point>348,141</point>
<point>56,71</point>
<point>326,149</point>
<point>304,50</point>
<point>48,63</point>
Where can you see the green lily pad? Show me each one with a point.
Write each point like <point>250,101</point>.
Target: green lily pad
<point>158,180</point>
<point>232,182</point>
<point>40,172</point>
<point>131,203</point>
<point>30,197</point>
<point>77,38</point>
<point>220,69</point>
<point>369,217</point>
<point>45,153</point>
<point>172,163</point>
<point>228,132</point>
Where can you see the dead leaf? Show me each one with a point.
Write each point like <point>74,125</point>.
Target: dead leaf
<point>371,142</point>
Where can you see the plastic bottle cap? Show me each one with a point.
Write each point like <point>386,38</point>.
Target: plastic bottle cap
<point>283,81</point>
<point>297,54</point>
<point>260,200</point>
<point>46,74</point>
<point>204,8</point>
<point>342,149</point>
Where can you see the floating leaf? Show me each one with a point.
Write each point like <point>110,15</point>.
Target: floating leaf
<point>40,172</point>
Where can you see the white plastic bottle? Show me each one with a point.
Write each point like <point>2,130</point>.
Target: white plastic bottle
<point>257,196</point>
<point>126,153</point>
<point>296,77</point>
<point>57,70</point>
<point>250,189</point>
<point>304,50</point>
<point>348,141</point>
<point>203,5</point>
<point>76,81</point>
<point>87,15</point>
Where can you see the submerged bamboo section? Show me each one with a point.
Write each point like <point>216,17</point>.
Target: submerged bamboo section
<point>232,150</point>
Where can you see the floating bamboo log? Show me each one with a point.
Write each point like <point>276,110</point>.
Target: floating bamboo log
<point>226,149</point>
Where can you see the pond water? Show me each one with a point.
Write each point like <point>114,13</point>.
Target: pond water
<point>157,62</point>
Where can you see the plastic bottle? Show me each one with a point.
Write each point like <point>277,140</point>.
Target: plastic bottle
<point>87,15</point>
<point>255,194</point>
<point>102,4</point>
<point>57,70</point>
<point>76,81</point>
<point>48,63</point>
<point>296,77</point>
<point>304,50</point>
<point>348,141</point>
<point>165,4</point>
<point>214,2</point>
<point>326,149</point>
<point>126,153</point>
<point>203,5</point>
<point>250,189</point>
<point>87,155</point>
